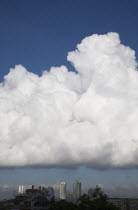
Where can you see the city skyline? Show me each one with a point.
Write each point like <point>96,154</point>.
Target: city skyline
<point>120,191</point>
<point>31,196</point>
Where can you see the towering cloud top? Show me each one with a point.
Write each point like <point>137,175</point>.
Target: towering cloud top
<point>67,119</point>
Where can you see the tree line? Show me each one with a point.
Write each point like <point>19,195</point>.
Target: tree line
<point>98,201</point>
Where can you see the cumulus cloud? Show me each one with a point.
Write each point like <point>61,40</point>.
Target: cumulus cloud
<point>67,119</point>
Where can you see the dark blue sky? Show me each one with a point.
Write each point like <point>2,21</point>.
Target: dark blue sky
<point>38,34</point>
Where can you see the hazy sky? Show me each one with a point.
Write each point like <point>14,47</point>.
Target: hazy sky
<point>38,35</point>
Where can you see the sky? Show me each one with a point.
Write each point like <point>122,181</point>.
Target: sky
<point>38,35</point>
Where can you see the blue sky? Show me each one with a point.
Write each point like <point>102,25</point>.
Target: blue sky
<point>38,35</point>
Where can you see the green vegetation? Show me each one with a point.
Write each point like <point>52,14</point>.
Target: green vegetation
<point>98,201</point>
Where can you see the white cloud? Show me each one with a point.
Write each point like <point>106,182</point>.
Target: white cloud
<point>64,119</point>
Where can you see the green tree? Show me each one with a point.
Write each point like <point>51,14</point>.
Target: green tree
<point>98,201</point>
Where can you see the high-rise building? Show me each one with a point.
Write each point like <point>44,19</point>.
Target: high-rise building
<point>43,189</point>
<point>30,186</point>
<point>22,189</point>
<point>69,196</point>
<point>50,191</point>
<point>76,190</point>
<point>63,190</point>
<point>90,192</point>
<point>40,188</point>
